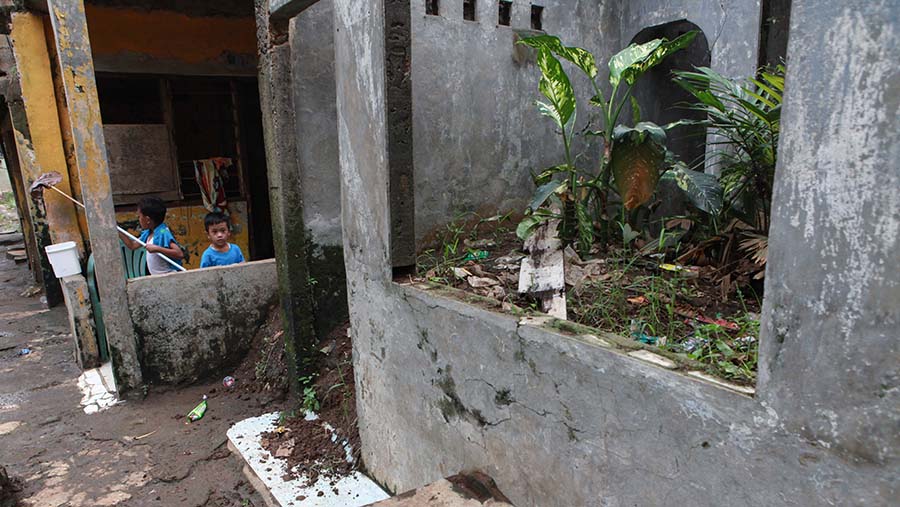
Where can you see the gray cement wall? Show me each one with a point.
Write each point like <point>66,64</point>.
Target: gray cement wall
<point>564,420</point>
<point>832,307</point>
<point>193,324</point>
<point>476,132</point>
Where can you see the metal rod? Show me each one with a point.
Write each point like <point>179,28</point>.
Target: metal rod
<point>123,231</point>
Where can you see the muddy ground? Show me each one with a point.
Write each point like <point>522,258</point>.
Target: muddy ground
<point>67,458</point>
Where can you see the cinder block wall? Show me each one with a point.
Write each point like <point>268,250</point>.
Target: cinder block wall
<point>190,325</point>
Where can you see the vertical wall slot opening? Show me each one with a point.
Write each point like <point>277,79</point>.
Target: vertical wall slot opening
<point>469,10</point>
<point>505,12</point>
<point>537,15</point>
<point>432,7</point>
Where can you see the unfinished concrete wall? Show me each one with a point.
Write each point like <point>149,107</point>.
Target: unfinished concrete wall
<point>81,321</point>
<point>566,420</point>
<point>193,324</point>
<point>315,121</point>
<point>830,350</point>
<point>476,132</point>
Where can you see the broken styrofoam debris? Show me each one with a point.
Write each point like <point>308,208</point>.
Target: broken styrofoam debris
<point>351,491</point>
<point>98,389</point>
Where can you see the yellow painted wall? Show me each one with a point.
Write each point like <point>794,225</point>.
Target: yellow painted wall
<point>41,148</point>
<point>168,35</point>
<point>186,223</point>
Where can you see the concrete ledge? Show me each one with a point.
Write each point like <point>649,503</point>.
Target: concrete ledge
<point>81,321</point>
<point>193,324</point>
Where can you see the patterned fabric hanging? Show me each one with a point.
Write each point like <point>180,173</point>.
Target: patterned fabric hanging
<point>211,175</point>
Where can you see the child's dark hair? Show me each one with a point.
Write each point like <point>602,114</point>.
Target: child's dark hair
<point>215,218</point>
<point>154,208</point>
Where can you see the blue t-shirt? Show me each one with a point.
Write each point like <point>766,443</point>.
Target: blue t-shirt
<point>163,237</point>
<point>212,257</point>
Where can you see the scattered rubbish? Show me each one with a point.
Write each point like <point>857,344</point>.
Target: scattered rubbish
<point>461,273</point>
<point>145,435</point>
<point>32,291</point>
<point>686,271</point>
<point>477,255</point>
<point>478,282</point>
<point>720,322</point>
<point>24,352</point>
<point>637,332</point>
<point>638,300</point>
<point>746,340</point>
<point>693,343</point>
<point>228,382</point>
<point>480,243</point>
<point>509,262</point>
<point>198,412</point>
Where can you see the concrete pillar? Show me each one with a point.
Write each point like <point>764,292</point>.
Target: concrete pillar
<point>35,123</point>
<point>74,51</point>
<point>830,354</point>
<point>276,100</point>
<point>81,321</point>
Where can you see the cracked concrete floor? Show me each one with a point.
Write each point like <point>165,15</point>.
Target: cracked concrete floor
<point>68,458</point>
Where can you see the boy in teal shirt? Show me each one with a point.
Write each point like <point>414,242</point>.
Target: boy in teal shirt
<point>156,234</point>
<point>220,251</point>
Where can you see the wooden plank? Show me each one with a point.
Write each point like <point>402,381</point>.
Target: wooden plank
<point>141,162</point>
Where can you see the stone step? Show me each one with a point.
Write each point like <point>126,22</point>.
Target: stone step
<point>17,255</point>
<point>469,489</point>
<point>10,238</point>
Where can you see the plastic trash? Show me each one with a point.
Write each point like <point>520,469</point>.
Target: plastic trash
<point>228,382</point>
<point>198,412</point>
<point>686,271</point>
<point>24,352</point>
<point>477,255</point>
<point>637,332</point>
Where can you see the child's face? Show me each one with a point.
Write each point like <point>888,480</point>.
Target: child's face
<point>218,234</point>
<point>144,220</point>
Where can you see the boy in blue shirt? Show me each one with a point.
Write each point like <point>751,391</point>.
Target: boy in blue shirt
<point>156,234</point>
<point>220,251</point>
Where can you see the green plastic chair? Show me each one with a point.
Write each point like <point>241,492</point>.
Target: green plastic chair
<point>135,266</point>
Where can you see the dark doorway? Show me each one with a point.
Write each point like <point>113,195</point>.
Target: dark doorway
<point>661,100</point>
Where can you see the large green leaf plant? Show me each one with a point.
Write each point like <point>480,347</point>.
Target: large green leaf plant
<point>633,157</point>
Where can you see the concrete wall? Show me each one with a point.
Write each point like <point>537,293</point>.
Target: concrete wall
<point>194,324</point>
<point>315,122</point>
<point>832,309</point>
<point>563,420</point>
<point>476,132</point>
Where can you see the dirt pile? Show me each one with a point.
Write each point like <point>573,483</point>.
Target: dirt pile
<point>309,447</point>
<point>264,370</point>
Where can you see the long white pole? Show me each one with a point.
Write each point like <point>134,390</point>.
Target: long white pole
<point>123,231</point>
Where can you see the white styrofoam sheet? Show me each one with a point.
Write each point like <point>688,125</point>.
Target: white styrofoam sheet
<point>353,491</point>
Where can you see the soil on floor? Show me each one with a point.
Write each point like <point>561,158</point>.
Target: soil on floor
<point>306,445</point>
<point>697,311</point>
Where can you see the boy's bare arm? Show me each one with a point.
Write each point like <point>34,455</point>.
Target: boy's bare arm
<point>130,243</point>
<point>174,252</point>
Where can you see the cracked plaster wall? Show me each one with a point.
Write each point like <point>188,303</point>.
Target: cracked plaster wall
<point>193,324</point>
<point>444,386</point>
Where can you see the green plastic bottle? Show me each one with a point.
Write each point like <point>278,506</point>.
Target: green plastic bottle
<point>198,412</point>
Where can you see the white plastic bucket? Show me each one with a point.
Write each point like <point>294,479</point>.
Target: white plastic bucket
<point>64,259</point>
